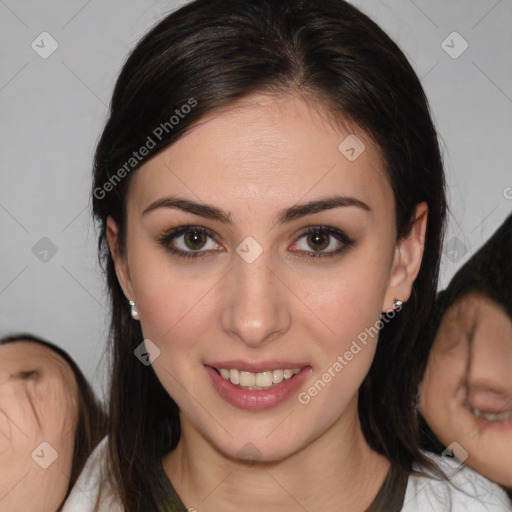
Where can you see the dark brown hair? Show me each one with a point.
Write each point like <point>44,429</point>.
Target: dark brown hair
<point>91,425</point>
<point>214,53</point>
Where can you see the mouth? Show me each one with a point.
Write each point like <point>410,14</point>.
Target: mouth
<point>266,379</point>
<point>489,407</point>
<point>493,417</point>
<point>257,386</point>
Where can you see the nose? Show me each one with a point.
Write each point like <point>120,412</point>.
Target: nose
<point>255,309</point>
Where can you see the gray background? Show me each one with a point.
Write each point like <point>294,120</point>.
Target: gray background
<point>53,110</point>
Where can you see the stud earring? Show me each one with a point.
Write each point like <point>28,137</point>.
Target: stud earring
<point>398,303</point>
<point>133,311</point>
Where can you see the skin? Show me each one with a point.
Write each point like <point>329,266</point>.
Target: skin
<point>252,160</point>
<point>446,403</point>
<point>35,408</point>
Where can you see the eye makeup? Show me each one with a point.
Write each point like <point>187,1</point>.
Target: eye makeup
<point>313,234</point>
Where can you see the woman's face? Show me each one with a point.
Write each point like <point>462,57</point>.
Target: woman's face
<point>244,294</point>
<point>471,404</point>
<point>38,415</point>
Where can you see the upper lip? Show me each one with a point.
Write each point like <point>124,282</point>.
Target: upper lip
<point>256,367</point>
<point>489,400</point>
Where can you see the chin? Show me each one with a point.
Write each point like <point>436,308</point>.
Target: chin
<point>258,448</point>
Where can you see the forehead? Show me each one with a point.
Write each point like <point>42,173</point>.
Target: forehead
<point>471,306</point>
<point>475,312</point>
<point>26,354</point>
<point>266,150</point>
<point>27,350</point>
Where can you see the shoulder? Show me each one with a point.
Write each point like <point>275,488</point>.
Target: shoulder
<point>465,491</point>
<point>92,490</point>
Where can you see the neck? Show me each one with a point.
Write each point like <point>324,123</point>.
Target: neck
<point>337,471</point>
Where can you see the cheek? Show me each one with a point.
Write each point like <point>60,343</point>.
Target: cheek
<point>344,334</point>
<point>17,404</point>
<point>168,293</point>
<point>351,304</point>
<point>442,396</point>
<point>492,362</point>
<point>176,310</point>
<point>4,430</point>
<point>52,396</point>
<point>57,406</point>
<point>354,302</point>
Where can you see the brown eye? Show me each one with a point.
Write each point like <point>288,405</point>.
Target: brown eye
<point>323,241</point>
<point>189,242</point>
<point>195,240</point>
<point>318,241</point>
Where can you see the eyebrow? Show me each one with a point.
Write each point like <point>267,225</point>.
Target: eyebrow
<point>283,216</point>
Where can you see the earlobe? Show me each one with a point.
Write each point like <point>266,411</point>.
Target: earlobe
<point>408,257</point>
<point>120,262</point>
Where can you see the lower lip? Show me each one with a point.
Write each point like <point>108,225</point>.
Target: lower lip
<point>495,426</point>
<point>257,399</point>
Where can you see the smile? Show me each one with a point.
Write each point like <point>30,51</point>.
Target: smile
<point>498,417</point>
<point>257,386</point>
<point>261,380</point>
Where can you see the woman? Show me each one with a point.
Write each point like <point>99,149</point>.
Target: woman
<point>262,188</point>
<point>466,396</point>
<point>50,423</point>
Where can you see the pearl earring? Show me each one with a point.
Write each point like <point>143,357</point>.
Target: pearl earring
<point>398,303</point>
<point>133,311</point>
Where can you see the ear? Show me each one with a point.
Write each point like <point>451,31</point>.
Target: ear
<point>120,261</point>
<point>407,260</point>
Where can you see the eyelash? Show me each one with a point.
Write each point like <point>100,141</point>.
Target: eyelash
<point>166,239</point>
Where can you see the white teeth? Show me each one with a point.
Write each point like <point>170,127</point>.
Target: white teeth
<point>234,376</point>
<point>264,379</point>
<point>260,380</point>
<point>277,376</point>
<point>247,379</point>
<point>492,417</point>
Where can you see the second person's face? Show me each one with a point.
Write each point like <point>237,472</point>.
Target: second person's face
<point>466,395</point>
<point>38,417</point>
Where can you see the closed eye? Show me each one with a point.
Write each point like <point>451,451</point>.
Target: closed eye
<point>25,375</point>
